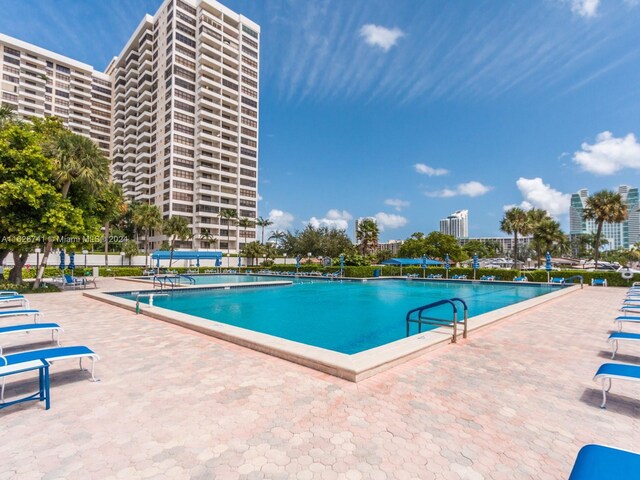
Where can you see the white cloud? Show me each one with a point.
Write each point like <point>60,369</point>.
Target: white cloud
<point>397,203</point>
<point>281,220</point>
<point>389,220</point>
<point>609,154</point>
<point>469,189</point>
<point>333,219</point>
<point>430,171</point>
<point>537,194</point>
<point>585,8</point>
<point>382,37</point>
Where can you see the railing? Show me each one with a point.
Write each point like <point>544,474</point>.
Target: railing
<point>571,280</point>
<point>150,295</point>
<point>162,281</point>
<point>192,280</point>
<point>440,322</point>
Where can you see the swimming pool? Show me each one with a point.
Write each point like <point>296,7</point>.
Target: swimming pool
<point>343,316</point>
<point>217,278</point>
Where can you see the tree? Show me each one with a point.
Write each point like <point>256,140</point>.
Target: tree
<point>263,223</point>
<point>207,236</point>
<point>482,249</point>
<point>130,249</point>
<point>515,222</point>
<point>76,160</point>
<point>367,235</point>
<point>547,234</point>
<point>245,223</point>
<point>278,237</point>
<point>325,241</point>
<point>176,228</point>
<point>604,206</point>
<point>228,217</point>
<point>147,217</point>
<point>111,206</point>
<point>31,207</point>
<point>252,251</point>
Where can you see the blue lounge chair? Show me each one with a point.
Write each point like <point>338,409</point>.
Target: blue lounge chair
<point>597,462</point>
<point>54,354</point>
<point>558,280</point>
<point>8,300</point>
<point>54,328</point>
<point>8,292</point>
<point>520,279</point>
<point>609,371</point>
<point>616,337</point>
<point>37,314</point>
<point>598,282</point>
<point>626,319</point>
<point>69,281</point>
<point>630,308</point>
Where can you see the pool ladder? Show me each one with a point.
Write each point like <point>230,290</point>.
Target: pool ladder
<point>417,315</point>
<point>151,296</point>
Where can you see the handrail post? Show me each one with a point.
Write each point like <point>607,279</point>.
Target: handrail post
<point>466,318</point>
<point>455,327</point>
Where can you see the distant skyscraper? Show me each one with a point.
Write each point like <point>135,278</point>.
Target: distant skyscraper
<point>456,224</point>
<point>618,235</point>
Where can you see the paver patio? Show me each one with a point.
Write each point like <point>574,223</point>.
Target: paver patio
<point>514,401</point>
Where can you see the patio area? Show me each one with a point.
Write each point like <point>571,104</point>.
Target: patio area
<point>515,400</point>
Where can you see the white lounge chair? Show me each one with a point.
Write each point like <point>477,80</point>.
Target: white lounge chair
<point>621,371</point>
<point>37,314</point>
<point>626,319</point>
<point>54,328</point>
<point>9,300</point>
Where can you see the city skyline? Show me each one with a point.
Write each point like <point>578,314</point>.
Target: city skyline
<point>483,120</point>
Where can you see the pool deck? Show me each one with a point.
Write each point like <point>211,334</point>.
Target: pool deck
<point>514,401</point>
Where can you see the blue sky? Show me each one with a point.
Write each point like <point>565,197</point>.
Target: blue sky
<point>410,110</point>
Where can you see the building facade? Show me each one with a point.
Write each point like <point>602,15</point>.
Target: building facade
<point>38,83</point>
<point>177,112</point>
<point>456,224</point>
<point>506,243</point>
<point>618,235</point>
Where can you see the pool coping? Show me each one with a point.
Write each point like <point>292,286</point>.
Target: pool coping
<point>355,367</point>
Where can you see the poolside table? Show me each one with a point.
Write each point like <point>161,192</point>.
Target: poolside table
<point>42,395</point>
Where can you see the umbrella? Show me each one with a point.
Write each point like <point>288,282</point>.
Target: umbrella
<point>198,262</point>
<point>61,259</point>
<point>447,264</point>
<point>72,265</point>
<point>297,262</point>
<point>424,265</point>
<point>239,261</point>
<point>547,265</point>
<point>476,265</point>
<point>341,264</point>
<point>218,262</point>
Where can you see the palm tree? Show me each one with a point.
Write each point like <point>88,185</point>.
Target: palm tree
<point>147,217</point>
<point>229,217</point>
<point>263,223</point>
<point>277,236</point>
<point>76,159</point>
<point>367,235</point>
<point>7,116</point>
<point>549,234</point>
<point>207,236</point>
<point>176,228</point>
<point>537,217</point>
<point>515,222</point>
<point>604,206</point>
<point>246,223</point>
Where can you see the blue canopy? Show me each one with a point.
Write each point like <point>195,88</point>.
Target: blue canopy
<point>410,261</point>
<point>185,255</point>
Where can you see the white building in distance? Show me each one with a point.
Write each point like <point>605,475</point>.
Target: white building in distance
<point>456,224</point>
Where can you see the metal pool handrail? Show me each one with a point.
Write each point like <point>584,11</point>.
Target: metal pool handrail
<point>441,322</point>
<point>166,278</point>
<point>192,280</point>
<point>570,279</point>
<point>150,295</point>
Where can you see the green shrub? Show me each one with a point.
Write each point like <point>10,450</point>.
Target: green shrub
<point>27,287</point>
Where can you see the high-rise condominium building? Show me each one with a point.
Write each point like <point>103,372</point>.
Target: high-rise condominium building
<point>456,224</point>
<point>618,235</point>
<point>182,119</point>
<point>38,83</point>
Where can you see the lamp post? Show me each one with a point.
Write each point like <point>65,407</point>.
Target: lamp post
<point>84,252</point>
<point>285,258</point>
<point>37,250</point>
<point>122,259</point>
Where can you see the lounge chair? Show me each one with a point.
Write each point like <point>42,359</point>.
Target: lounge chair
<point>8,300</point>
<point>8,292</point>
<point>626,319</point>
<point>558,280</point>
<point>520,279</point>
<point>37,314</point>
<point>597,462</point>
<point>598,282</point>
<point>69,281</point>
<point>630,308</point>
<point>621,371</point>
<point>54,328</point>
<point>54,354</point>
<point>488,278</point>
<point>616,337</point>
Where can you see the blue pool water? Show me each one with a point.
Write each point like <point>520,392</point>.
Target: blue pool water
<point>346,317</point>
<point>223,278</point>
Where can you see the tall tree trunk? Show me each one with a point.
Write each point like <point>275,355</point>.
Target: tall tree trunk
<point>596,244</point>
<point>3,255</point>
<point>146,248</point>
<point>15,274</point>
<point>106,244</point>
<point>515,249</point>
<point>45,258</point>
<point>171,254</point>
